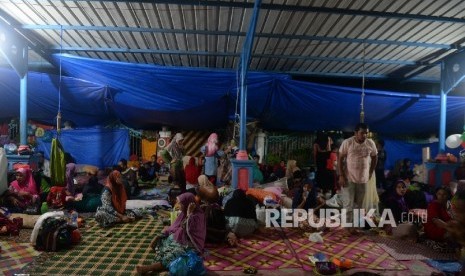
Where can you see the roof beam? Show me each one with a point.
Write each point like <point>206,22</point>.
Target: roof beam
<point>205,53</point>
<point>295,8</point>
<point>348,75</point>
<point>434,60</point>
<point>227,33</point>
<point>9,23</point>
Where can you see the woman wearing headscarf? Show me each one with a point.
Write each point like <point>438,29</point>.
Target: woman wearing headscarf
<point>175,149</point>
<point>400,209</point>
<point>186,233</point>
<point>241,217</point>
<point>396,201</point>
<point>438,216</point>
<point>291,169</point>
<point>70,173</point>
<point>192,171</point>
<point>211,152</point>
<point>306,197</point>
<point>114,197</point>
<point>22,192</point>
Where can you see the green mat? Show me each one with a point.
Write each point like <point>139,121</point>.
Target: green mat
<point>113,251</point>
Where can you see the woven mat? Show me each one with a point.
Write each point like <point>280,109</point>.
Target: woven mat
<point>403,250</point>
<point>363,252</point>
<point>14,256</point>
<point>264,251</point>
<point>114,251</point>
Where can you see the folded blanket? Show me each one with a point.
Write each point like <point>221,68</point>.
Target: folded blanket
<point>137,203</point>
<point>28,220</point>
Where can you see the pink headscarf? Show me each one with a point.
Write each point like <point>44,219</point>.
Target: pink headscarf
<point>194,229</point>
<point>212,145</point>
<point>27,184</point>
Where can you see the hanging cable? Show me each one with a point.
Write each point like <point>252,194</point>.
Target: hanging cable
<point>236,114</point>
<point>59,85</point>
<point>362,102</point>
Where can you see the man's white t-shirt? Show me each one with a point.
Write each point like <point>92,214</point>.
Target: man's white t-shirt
<point>358,158</point>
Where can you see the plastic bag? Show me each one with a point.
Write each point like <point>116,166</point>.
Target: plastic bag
<point>195,264</point>
<point>189,264</point>
<point>316,237</point>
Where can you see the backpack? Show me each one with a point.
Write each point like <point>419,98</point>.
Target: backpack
<point>54,234</point>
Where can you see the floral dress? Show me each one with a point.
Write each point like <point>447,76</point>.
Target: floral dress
<point>106,214</point>
<point>169,250</point>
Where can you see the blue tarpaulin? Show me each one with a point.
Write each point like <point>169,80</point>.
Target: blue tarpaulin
<point>98,147</point>
<point>82,102</point>
<point>146,96</point>
<point>398,150</point>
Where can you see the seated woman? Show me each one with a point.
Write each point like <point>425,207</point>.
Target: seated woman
<point>241,217</point>
<point>307,198</point>
<point>438,216</point>
<point>193,172</point>
<point>91,193</point>
<point>22,192</point>
<point>114,197</point>
<point>456,226</point>
<point>186,233</point>
<point>395,201</point>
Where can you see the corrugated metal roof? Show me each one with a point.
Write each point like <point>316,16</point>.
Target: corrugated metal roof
<point>386,39</point>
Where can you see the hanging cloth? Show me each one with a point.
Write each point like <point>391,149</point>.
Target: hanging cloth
<point>371,199</point>
<point>149,148</point>
<point>57,164</point>
<point>3,171</point>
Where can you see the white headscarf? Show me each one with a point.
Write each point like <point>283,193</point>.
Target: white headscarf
<point>178,137</point>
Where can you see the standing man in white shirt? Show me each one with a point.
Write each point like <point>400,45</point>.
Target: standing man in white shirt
<point>357,163</point>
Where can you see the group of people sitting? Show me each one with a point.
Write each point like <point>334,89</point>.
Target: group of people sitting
<point>424,217</point>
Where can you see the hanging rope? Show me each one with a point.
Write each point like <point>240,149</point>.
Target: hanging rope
<point>59,85</point>
<point>236,114</point>
<point>362,102</point>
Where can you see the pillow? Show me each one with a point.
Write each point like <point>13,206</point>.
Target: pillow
<point>276,190</point>
<point>260,194</point>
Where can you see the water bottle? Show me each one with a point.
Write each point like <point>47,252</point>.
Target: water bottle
<point>44,208</point>
<point>74,218</point>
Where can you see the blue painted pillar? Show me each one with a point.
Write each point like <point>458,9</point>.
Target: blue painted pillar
<point>442,123</point>
<point>242,168</point>
<point>243,107</point>
<point>245,58</point>
<point>23,103</point>
<point>15,51</point>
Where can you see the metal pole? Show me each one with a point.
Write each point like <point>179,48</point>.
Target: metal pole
<point>245,58</point>
<point>23,102</point>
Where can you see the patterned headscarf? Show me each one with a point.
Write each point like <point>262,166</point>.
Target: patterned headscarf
<point>118,193</point>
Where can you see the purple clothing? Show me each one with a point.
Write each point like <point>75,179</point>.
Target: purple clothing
<point>191,228</point>
<point>398,206</point>
<point>70,171</point>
